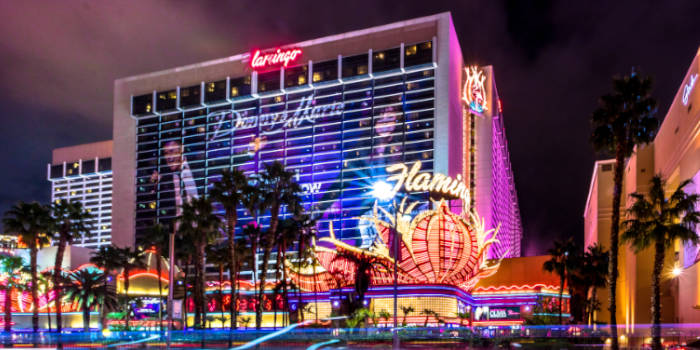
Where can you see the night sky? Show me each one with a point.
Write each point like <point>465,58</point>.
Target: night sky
<point>552,60</point>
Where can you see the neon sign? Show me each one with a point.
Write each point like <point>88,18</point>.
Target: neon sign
<point>279,57</point>
<point>688,88</point>
<point>412,180</point>
<point>473,92</point>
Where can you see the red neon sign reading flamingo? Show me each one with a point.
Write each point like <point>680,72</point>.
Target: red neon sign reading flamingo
<point>279,57</point>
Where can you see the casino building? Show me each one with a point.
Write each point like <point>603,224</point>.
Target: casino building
<point>389,109</point>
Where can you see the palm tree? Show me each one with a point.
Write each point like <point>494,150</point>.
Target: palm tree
<point>253,235</point>
<point>200,226</point>
<point>157,239</point>
<point>560,262</point>
<point>218,255</point>
<point>243,256</point>
<point>129,260</point>
<point>30,222</point>
<point>278,189</point>
<point>384,315</point>
<point>229,191</point>
<point>70,221</point>
<point>290,230</point>
<point>595,267</point>
<point>427,313</point>
<point>108,258</point>
<point>406,310</point>
<point>306,236</point>
<point>364,264</point>
<point>659,221</point>
<point>89,289</point>
<point>10,266</point>
<point>462,317</point>
<point>184,251</point>
<point>623,120</point>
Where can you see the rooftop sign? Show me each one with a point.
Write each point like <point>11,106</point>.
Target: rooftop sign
<point>260,60</point>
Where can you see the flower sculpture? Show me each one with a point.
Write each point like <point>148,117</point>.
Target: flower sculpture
<point>435,247</point>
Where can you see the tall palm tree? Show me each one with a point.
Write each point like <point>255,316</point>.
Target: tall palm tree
<point>108,258</point>
<point>184,251</point>
<point>70,221</point>
<point>218,256</point>
<point>623,120</point>
<point>406,310</point>
<point>290,230</point>
<point>10,266</point>
<point>365,264</point>
<point>306,235</point>
<point>31,222</point>
<point>595,267</point>
<point>200,225</point>
<point>560,262</point>
<point>89,289</point>
<point>278,189</point>
<point>229,191</point>
<point>658,220</point>
<point>156,240</point>
<point>243,256</point>
<point>130,259</point>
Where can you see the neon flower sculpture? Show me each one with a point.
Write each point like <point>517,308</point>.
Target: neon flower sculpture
<point>437,247</point>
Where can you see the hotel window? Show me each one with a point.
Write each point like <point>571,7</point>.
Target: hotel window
<point>269,81</point>
<point>215,91</point>
<point>56,171</point>
<point>166,100</point>
<point>190,96</point>
<point>386,60</point>
<point>418,54</point>
<point>141,105</point>
<point>296,76</point>
<point>104,164</point>
<point>88,166</point>
<point>325,71</point>
<point>355,65</point>
<point>241,86</point>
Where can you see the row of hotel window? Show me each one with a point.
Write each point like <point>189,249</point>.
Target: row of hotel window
<point>88,167</point>
<point>351,67</point>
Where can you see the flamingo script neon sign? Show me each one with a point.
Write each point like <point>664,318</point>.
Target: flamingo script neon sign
<point>280,57</point>
<point>688,88</point>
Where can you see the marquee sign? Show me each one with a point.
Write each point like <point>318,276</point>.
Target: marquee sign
<point>688,88</point>
<point>474,92</point>
<point>412,180</point>
<point>280,57</point>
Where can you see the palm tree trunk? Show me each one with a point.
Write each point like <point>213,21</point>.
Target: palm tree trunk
<point>35,297</point>
<point>263,278</point>
<point>201,280</point>
<point>8,308</point>
<point>159,270</point>
<point>285,291</point>
<point>187,268</point>
<point>231,220</point>
<point>300,308</point>
<point>126,296</point>
<point>561,293</point>
<point>221,293</point>
<point>56,283</point>
<point>614,244</point>
<point>48,308</point>
<point>195,291</point>
<point>86,315</point>
<point>656,295</point>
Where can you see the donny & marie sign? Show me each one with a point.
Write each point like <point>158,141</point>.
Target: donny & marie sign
<point>306,113</point>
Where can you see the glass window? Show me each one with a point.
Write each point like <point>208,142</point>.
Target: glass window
<point>269,81</point>
<point>418,54</point>
<point>56,171</point>
<point>166,100</point>
<point>141,105</point>
<point>355,65</point>
<point>325,71</point>
<point>190,96</point>
<point>296,76</point>
<point>240,87</point>
<point>88,166</point>
<point>215,91</point>
<point>386,60</point>
<point>104,164</point>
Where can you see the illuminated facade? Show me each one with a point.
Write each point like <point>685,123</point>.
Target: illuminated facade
<point>83,173</point>
<point>675,154</point>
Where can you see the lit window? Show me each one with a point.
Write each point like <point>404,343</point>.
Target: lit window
<point>317,76</point>
<point>72,193</point>
<point>301,80</point>
<point>200,129</point>
<point>89,190</point>
<point>148,107</point>
<point>76,165</point>
<point>210,87</point>
<point>380,56</point>
<point>234,91</point>
<point>152,205</point>
<point>278,99</point>
<point>172,95</point>
<point>362,70</point>
<point>411,50</point>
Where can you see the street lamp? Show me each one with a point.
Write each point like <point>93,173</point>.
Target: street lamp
<point>383,192</point>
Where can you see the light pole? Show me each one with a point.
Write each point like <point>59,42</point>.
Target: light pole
<point>171,283</point>
<point>383,192</point>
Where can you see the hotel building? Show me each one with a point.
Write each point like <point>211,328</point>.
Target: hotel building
<point>675,155</point>
<point>83,173</point>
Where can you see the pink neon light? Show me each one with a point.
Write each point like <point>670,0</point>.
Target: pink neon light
<point>279,57</point>
<point>515,287</point>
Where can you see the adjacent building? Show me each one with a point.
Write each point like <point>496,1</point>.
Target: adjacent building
<point>674,154</point>
<point>83,173</point>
